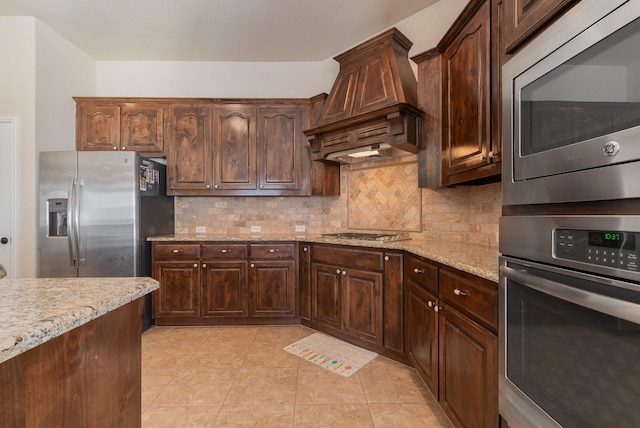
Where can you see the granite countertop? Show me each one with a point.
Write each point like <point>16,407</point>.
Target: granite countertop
<point>34,311</point>
<point>476,259</point>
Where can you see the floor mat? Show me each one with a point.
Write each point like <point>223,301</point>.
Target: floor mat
<point>331,353</point>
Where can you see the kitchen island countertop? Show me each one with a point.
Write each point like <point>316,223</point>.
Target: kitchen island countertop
<point>476,259</point>
<point>36,310</point>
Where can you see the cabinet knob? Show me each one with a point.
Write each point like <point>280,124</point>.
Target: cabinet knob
<point>338,271</point>
<point>195,265</point>
<point>436,308</point>
<point>215,186</point>
<point>115,148</point>
<point>124,148</point>
<point>253,265</point>
<point>305,249</point>
<point>459,292</point>
<point>430,304</point>
<point>262,186</point>
<point>386,258</point>
<point>204,265</point>
<point>344,272</point>
<point>208,186</point>
<point>416,270</point>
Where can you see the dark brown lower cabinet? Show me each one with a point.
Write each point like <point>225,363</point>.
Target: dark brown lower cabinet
<point>225,283</point>
<point>468,360</point>
<point>451,326</point>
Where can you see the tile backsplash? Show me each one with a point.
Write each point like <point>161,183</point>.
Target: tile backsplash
<point>376,197</point>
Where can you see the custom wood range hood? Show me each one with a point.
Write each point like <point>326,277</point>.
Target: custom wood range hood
<point>371,107</point>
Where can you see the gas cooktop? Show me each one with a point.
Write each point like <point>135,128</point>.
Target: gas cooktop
<point>367,236</point>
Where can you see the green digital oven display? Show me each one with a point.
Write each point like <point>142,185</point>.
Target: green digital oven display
<point>620,240</point>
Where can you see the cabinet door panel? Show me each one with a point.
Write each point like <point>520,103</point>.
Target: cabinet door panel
<point>142,129</point>
<point>326,296</point>
<point>422,333</point>
<point>394,320</point>
<point>468,371</point>
<point>179,292</point>
<point>235,142</point>
<point>225,289</point>
<point>280,148</point>
<point>467,96</point>
<point>97,127</point>
<point>189,153</point>
<point>272,289</point>
<point>362,297</point>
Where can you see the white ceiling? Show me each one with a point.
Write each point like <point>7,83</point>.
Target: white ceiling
<point>215,30</point>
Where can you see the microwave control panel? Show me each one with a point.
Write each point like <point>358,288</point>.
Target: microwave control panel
<point>608,248</point>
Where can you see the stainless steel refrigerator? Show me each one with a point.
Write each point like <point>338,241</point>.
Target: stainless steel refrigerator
<point>96,210</point>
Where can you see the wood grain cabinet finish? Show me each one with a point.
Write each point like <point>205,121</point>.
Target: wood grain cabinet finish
<point>235,283</point>
<point>357,295</point>
<point>451,331</point>
<point>523,19</point>
<point>225,279</point>
<point>421,301</point>
<point>304,280</point>
<point>459,88</point>
<point>189,152</point>
<point>118,124</point>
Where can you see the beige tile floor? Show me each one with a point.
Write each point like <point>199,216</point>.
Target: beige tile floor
<point>241,377</point>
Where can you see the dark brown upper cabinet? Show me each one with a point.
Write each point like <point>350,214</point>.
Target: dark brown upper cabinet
<point>459,91</point>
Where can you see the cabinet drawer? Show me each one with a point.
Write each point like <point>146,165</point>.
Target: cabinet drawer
<point>272,251</point>
<point>357,257</point>
<point>176,251</point>
<point>475,296</point>
<point>224,251</point>
<point>422,273</point>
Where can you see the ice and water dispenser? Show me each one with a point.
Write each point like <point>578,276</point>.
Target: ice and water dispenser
<point>57,209</point>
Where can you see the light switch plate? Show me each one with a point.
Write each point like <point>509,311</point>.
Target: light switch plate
<point>255,228</point>
<point>300,228</point>
<point>201,229</point>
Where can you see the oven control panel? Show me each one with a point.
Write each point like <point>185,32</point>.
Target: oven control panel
<point>609,248</point>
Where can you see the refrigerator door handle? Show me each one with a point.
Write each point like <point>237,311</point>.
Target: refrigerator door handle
<point>73,231</point>
<point>82,253</point>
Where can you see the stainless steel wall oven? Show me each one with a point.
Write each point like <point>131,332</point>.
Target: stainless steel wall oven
<point>570,321</point>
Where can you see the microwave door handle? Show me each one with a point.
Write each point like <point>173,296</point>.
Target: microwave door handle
<point>72,231</point>
<point>82,256</point>
<point>615,307</point>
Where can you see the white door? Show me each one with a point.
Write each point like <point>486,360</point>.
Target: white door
<point>8,159</point>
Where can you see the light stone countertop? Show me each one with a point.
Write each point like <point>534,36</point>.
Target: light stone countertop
<point>36,310</point>
<point>476,259</point>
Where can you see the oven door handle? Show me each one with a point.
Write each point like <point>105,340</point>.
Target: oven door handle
<point>614,307</point>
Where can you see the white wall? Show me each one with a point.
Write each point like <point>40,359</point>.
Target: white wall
<point>256,79</point>
<point>62,71</point>
<point>17,97</point>
<point>41,72</point>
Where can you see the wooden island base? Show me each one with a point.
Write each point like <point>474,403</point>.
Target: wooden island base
<point>88,377</point>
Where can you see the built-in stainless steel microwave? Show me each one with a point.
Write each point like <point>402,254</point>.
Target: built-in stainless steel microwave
<point>571,109</point>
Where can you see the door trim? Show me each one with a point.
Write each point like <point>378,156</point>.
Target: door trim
<point>12,121</point>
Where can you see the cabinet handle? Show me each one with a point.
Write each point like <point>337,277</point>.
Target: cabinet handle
<point>204,265</point>
<point>176,251</point>
<point>224,251</point>
<point>416,270</point>
<point>253,265</point>
<point>272,250</point>
<point>386,258</point>
<point>459,292</point>
<point>195,265</point>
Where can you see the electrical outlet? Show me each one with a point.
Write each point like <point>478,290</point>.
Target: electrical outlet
<point>255,229</point>
<point>201,229</point>
<point>300,228</point>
